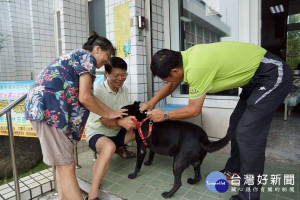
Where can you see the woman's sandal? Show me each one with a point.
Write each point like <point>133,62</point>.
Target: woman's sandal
<point>124,153</point>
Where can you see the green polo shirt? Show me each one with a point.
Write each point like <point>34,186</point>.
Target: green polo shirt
<point>113,100</point>
<point>214,67</point>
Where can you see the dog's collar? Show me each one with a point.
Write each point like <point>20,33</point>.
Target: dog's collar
<point>139,127</point>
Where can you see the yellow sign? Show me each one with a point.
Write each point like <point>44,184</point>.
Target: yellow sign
<point>122,30</point>
<point>22,130</point>
<point>10,91</point>
<point>21,127</point>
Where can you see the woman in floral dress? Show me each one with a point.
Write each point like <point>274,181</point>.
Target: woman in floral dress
<point>58,105</point>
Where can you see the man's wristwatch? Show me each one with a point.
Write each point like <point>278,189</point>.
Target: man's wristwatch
<point>166,115</point>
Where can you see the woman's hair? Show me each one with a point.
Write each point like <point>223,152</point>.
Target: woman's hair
<point>115,62</point>
<point>164,61</point>
<point>102,42</point>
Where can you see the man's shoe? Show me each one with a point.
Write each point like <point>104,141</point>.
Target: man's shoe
<point>235,197</point>
<point>232,178</point>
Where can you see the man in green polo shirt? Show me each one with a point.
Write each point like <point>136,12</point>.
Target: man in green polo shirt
<point>103,135</point>
<point>208,68</point>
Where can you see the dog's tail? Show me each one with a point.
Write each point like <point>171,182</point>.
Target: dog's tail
<point>217,145</point>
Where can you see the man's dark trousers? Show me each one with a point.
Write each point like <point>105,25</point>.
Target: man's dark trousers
<point>251,119</point>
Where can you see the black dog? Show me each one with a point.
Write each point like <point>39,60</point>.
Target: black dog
<point>186,142</point>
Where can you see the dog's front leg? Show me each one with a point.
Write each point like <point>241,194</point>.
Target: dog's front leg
<point>150,158</point>
<point>141,152</point>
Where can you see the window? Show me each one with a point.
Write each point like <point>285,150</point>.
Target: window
<point>199,25</point>
<point>293,41</point>
<point>97,17</point>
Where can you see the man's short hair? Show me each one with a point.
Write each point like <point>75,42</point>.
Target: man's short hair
<point>115,62</point>
<point>164,61</point>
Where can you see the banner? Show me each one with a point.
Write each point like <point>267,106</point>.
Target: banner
<point>9,92</point>
<point>122,30</point>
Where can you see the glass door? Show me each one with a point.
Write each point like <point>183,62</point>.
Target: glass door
<point>293,42</point>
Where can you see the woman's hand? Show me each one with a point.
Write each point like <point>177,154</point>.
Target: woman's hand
<point>127,123</point>
<point>148,105</point>
<point>117,114</point>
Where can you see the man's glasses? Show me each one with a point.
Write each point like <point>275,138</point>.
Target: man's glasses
<point>123,75</point>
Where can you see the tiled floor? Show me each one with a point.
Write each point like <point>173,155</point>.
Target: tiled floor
<point>155,179</point>
<point>283,145</point>
<point>282,154</point>
<point>283,157</point>
<point>31,187</point>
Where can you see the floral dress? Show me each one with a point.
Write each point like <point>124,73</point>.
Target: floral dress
<point>54,97</point>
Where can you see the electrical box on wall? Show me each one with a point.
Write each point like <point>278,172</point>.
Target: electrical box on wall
<point>141,22</point>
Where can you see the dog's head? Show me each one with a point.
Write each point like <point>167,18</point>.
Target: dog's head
<point>134,110</point>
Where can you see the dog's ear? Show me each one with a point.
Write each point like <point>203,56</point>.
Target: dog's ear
<point>137,103</point>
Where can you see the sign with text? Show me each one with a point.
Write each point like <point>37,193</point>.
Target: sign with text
<point>9,92</point>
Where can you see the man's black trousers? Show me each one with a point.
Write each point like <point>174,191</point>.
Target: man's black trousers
<point>251,120</point>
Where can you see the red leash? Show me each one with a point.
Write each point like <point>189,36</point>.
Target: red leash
<point>139,127</point>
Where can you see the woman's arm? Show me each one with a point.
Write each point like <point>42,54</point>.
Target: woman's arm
<point>91,102</point>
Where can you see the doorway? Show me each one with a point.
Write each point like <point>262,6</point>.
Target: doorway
<point>280,32</point>
<point>280,35</point>
<point>97,21</point>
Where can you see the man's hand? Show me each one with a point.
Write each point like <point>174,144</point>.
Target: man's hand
<point>156,115</point>
<point>148,105</point>
<point>126,123</point>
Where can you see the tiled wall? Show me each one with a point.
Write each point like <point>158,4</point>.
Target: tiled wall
<point>43,37</point>
<point>21,34</point>
<point>137,80</point>
<point>16,56</point>
<point>73,24</point>
<point>32,38</point>
<point>7,64</point>
<point>157,38</point>
<point>30,42</point>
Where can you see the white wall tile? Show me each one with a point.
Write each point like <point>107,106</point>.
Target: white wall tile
<point>138,3</point>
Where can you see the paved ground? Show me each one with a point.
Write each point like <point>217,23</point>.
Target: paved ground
<point>155,179</point>
<point>282,155</point>
<point>49,196</point>
<point>53,196</point>
<point>283,144</point>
